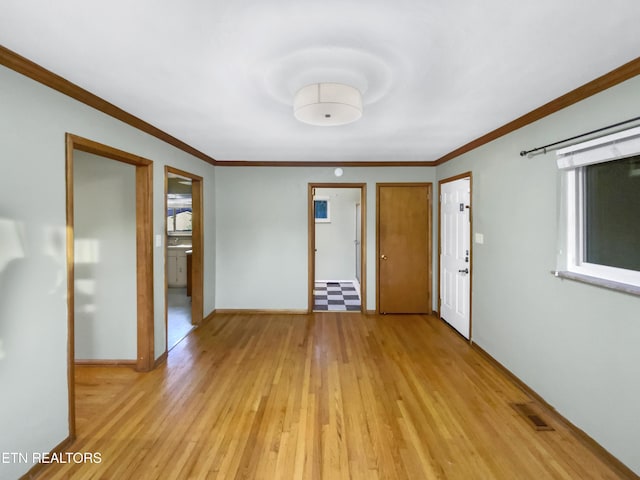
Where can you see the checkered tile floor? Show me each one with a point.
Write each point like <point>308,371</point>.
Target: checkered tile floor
<point>335,296</point>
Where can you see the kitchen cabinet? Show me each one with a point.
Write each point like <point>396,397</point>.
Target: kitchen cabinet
<point>177,267</point>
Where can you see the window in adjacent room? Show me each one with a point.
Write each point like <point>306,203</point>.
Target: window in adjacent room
<point>179,214</point>
<point>602,207</point>
<point>321,210</point>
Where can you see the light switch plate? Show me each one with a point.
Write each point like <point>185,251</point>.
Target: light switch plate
<point>158,240</point>
<point>479,238</point>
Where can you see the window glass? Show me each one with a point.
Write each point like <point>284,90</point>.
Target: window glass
<point>321,208</point>
<point>171,220</point>
<point>612,213</point>
<point>179,219</point>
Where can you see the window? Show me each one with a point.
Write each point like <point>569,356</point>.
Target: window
<point>179,219</point>
<point>602,207</point>
<point>321,210</point>
<point>179,214</point>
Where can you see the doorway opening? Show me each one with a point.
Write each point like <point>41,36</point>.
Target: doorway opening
<point>84,255</point>
<point>336,232</point>
<point>183,254</point>
<point>455,253</point>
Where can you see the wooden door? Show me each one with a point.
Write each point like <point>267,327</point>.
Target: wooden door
<point>404,248</point>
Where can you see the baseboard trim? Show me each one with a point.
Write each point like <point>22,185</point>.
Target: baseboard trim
<point>208,317</point>
<point>243,311</point>
<point>160,360</point>
<point>106,363</point>
<point>37,469</point>
<point>598,450</point>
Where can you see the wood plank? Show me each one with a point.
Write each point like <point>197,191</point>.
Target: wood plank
<point>319,396</point>
<point>144,266</point>
<point>69,250</point>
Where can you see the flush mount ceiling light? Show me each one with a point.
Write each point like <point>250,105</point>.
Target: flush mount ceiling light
<point>327,104</point>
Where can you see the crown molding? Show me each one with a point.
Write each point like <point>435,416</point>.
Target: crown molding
<point>40,74</point>
<point>34,71</point>
<point>608,80</point>
<point>270,163</point>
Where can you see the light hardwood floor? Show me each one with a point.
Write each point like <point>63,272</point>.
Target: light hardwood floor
<point>322,396</point>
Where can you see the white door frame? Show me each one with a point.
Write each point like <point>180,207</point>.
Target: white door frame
<point>465,175</point>
<point>358,241</point>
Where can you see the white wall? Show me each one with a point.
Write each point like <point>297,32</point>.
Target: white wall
<point>574,344</point>
<point>105,258</point>
<point>261,225</point>
<point>33,281</point>
<point>335,241</point>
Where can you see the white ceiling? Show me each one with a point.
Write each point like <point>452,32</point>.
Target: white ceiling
<point>220,75</point>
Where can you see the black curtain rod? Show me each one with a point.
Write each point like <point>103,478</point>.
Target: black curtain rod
<point>527,152</point>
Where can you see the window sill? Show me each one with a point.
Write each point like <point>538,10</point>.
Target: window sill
<point>599,282</point>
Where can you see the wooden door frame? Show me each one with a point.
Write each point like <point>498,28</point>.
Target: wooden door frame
<point>197,243</point>
<point>144,256</point>
<point>440,183</point>
<point>429,186</point>
<point>311,234</point>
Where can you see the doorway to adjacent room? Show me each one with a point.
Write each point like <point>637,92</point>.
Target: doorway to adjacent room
<point>336,247</point>
<point>86,292</point>
<point>183,254</point>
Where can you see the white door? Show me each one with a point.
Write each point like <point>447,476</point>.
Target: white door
<point>358,241</point>
<point>455,254</point>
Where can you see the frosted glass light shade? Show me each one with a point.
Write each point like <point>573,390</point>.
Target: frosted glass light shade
<point>327,104</point>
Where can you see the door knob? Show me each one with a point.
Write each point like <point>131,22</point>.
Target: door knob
<point>383,257</point>
<point>466,270</point>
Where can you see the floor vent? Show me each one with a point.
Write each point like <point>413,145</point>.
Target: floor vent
<point>528,411</point>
